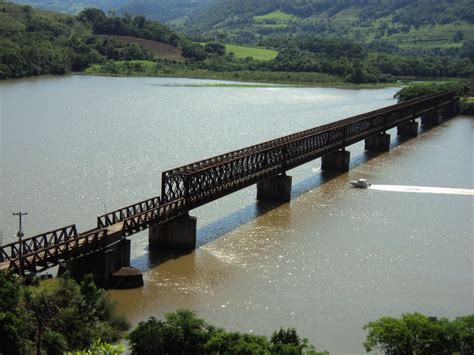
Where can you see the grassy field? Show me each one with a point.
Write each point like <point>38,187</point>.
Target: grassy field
<point>256,53</point>
<point>275,17</point>
<point>438,36</point>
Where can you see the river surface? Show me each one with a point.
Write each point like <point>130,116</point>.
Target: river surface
<point>326,263</point>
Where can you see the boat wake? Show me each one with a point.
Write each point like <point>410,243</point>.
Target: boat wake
<point>423,189</point>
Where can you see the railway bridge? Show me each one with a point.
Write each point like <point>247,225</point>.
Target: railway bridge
<point>105,250</point>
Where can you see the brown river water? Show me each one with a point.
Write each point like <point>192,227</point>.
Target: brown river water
<point>326,263</point>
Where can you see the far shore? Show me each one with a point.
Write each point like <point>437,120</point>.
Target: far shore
<point>246,80</point>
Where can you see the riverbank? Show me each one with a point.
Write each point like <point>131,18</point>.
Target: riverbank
<point>297,79</point>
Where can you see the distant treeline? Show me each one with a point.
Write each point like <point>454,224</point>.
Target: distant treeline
<point>361,63</point>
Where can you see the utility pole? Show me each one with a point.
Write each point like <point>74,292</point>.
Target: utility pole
<point>20,235</point>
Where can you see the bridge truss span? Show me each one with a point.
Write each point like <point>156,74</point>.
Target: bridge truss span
<point>204,181</point>
<point>122,214</point>
<point>46,250</point>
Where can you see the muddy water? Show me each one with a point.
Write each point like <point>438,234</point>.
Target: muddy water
<point>326,263</point>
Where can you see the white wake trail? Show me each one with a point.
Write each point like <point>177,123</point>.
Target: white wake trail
<point>424,189</point>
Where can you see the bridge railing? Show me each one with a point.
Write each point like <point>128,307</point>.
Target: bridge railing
<point>122,214</point>
<point>48,249</point>
<point>204,181</point>
<point>160,214</point>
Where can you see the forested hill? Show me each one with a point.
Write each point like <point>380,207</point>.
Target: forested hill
<point>34,42</point>
<point>408,23</point>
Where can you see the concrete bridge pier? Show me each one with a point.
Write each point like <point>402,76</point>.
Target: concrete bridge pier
<point>179,233</point>
<point>409,129</point>
<point>431,119</point>
<point>110,267</point>
<point>378,143</point>
<point>277,188</point>
<point>336,161</point>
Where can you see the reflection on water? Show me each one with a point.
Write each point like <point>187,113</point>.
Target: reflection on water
<point>423,189</point>
<point>326,263</point>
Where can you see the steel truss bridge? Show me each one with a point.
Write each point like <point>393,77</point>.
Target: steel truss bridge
<point>193,185</point>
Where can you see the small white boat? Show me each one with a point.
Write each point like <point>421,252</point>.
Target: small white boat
<point>361,183</point>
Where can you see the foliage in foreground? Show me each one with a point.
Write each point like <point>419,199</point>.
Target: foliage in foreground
<point>55,316</point>
<point>102,348</point>
<point>183,333</point>
<point>418,334</point>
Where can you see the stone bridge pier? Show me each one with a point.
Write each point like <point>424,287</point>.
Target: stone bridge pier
<point>110,267</point>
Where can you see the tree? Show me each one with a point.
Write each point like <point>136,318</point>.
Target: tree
<point>55,316</point>
<point>102,348</point>
<point>92,16</point>
<point>287,341</point>
<point>418,334</point>
<point>237,343</point>
<point>358,74</point>
<point>458,36</point>
<point>15,326</point>
<point>183,333</point>
<point>215,48</point>
<point>415,90</point>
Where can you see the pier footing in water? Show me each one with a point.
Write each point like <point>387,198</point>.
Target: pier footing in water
<point>107,267</point>
<point>179,233</point>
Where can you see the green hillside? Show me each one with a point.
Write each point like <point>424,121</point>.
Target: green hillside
<point>407,24</point>
<point>35,42</point>
<point>418,24</point>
